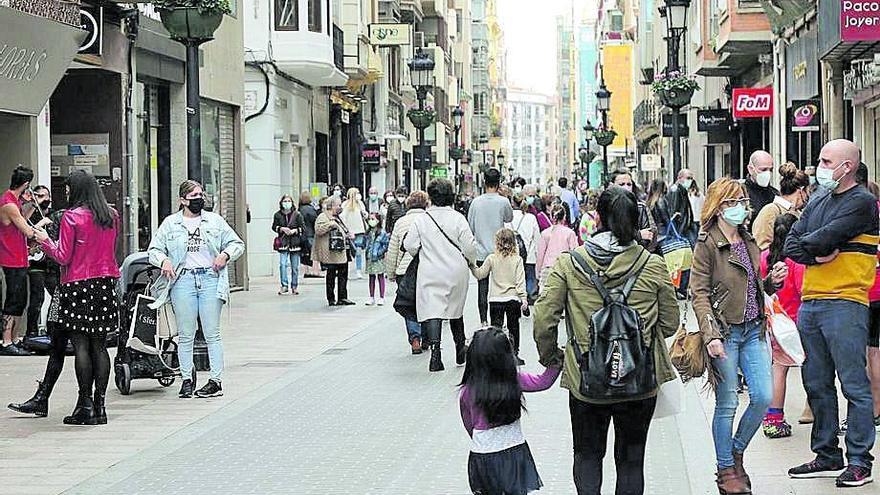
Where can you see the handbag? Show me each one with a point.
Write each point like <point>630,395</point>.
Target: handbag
<point>670,398</point>
<point>785,340</point>
<point>677,254</point>
<point>688,354</point>
<point>338,241</point>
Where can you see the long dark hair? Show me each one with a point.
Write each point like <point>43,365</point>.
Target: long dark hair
<point>781,227</point>
<point>491,378</point>
<point>656,191</point>
<point>84,192</point>
<point>619,213</point>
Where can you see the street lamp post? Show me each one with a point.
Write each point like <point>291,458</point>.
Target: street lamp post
<point>457,114</point>
<point>583,172</point>
<point>603,103</point>
<point>500,160</point>
<point>421,69</point>
<point>588,136</point>
<point>675,13</point>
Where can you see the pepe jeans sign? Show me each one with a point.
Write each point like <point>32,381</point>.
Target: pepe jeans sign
<point>34,53</point>
<point>752,103</point>
<point>860,20</point>
<point>715,120</point>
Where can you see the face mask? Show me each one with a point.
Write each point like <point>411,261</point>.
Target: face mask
<point>812,179</point>
<point>825,177</point>
<point>401,199</point>
<point>287,205</point>
<point>763,178</point>
<point>337,192</point>
<point>373,223</point>
<point>196,205</point>
<point>530,200</point>
<point>687,183</point>
<point>735,215</point>
<point>374,197</point>
<point>517,189</point>
<point>389,199</point>
<point>45,204</point>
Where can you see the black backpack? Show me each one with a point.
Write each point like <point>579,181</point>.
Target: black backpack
<point>520,244</point>
<point>618,363</point>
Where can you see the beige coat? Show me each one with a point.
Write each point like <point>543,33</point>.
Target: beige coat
<point>397,260</point>
<point>321,250</point>
<point>508,277</point>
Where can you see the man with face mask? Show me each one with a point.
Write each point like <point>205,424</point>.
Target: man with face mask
<point>679,203</point>
<point>836,238</point>
<point>758,187</point>
<point>396,209</point>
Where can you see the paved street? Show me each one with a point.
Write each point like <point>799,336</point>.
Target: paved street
<point>324,401</point>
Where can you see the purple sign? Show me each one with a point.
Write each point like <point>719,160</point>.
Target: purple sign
<point>860,20</point>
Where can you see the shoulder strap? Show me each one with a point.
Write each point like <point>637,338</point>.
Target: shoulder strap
<point>444,234</point>
<point>631,274</point>
<point>594,277</point>
<point>634,276</point>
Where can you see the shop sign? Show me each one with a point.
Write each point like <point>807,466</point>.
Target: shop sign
<point>34,53</point>
<point>390,34</point>
<point>715,120</point>
<point>650,162</point>
<point>683,129</point>
<point>860,20</point>
<point>422,157</point>
<point>371,155</point>
<point>92,23</point>
<point>752,103</point>
<point>806,115</point>
<point>440,172</point>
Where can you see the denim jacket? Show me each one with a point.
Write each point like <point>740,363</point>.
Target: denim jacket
<point>169,242</point>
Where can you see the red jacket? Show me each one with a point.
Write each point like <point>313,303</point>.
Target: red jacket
<point>84,249</point>
<point>790,293</point>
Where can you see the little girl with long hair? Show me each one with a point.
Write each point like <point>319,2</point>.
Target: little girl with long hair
<point>376,247</point>
<point>491,402</point>
<point>507,290</point>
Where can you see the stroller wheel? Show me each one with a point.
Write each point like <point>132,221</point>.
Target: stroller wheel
<point>166,381</point>
<point>123,378</point>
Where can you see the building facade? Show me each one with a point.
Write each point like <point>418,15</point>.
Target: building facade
<point>527,134</point>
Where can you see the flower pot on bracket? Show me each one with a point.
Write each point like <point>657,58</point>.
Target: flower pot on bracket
<point>188,24</point>
<point>676,97</point>
<point>421,119</point>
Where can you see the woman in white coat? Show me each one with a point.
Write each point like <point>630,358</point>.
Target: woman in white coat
<point>446,250</point>
<point>526,225</point>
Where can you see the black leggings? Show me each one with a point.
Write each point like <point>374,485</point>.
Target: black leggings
<point>337,273</point>
<point>431,330</point>
<point>56,355</point>
<point>92,363</point>
<point>512,310</point>
<point>589,426</point>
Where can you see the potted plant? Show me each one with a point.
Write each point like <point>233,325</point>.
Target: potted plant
<point>604,137</point>
<point>192,20</point>
<point>456,152</point>
<point>421,119</point>
<point>674,88</point>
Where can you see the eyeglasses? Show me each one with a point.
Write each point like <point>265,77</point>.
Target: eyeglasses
<point>735,202</point>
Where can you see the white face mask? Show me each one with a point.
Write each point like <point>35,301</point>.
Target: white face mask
<point>763,178</point>
<point>687,183</point>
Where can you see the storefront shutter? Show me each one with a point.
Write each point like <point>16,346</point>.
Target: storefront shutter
<point>228,200</point>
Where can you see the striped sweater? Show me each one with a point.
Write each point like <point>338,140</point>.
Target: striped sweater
<point>847,222</point>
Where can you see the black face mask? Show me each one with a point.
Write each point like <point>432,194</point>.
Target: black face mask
<point>45,204</point>
<point>196,205</point>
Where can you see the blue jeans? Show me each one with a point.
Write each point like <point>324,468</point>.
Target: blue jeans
<point>531,281</point>
<point>413,330</point>
<point>360,242</point>
<point>194,298</point>
<point>746,351</point>
<point>289,269</point>
<point>835,334</point>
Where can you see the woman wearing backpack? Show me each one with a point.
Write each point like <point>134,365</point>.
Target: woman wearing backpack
<point>614,252</point>
<point>728,298</point>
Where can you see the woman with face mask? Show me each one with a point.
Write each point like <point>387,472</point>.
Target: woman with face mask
<point>354,216</point>
<point>793,184</point>
<point>193,247</point>
<point>288,224</point>
<point>728,299</point>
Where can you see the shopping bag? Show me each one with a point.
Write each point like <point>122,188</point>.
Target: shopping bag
<point>677,254</point>
<point>670,398</point>
<point>785,340</point>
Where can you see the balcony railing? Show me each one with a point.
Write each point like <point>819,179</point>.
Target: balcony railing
<point>645,115</point>
<point>338,48</point>
<point>63,11</point>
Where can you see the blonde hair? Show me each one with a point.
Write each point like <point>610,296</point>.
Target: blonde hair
<point>505,243</point>
<point>351,202</point>
<point>719,191</point>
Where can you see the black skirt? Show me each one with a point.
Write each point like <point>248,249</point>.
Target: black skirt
<point>508,472</point>
<point>88,306</point>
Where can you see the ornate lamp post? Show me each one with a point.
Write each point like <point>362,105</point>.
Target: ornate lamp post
<point>192,25</point>
<point>421,69</point>
<point>588,136</point>
<point>603,103</point>
<point>457,151</point>
<point>500,159</point>
<point>673,87</point>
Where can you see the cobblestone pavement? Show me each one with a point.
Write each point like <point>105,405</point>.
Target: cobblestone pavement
<point>325,401</point>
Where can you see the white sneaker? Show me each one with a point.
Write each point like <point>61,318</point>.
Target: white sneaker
<point>381,301</point>
<point>360,276</point>
<point>371,302</point>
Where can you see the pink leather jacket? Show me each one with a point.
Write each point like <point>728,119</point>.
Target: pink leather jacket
<point>84,249</point>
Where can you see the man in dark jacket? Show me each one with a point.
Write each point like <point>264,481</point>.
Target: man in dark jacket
<point>680,206</point>
<point>836,238</point>
<point>396,209</point>
<point>758,187</point>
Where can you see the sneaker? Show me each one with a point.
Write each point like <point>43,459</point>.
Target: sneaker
<point>416,345</point>
<point>371,302</point>
<point>13,350</point>
<point>282,291</point>
<point>776,428</point>
<point>854,476</point>
<point>359,275</point>
<point>816,469</point>
<point>381,301</point>
<point>186,390</point>
<point>345,302</point>
<point>211,389</point>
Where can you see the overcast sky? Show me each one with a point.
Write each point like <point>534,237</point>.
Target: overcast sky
<point>530,36</point>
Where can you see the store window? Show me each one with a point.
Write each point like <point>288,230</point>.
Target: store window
<point>286,15</point>
<point>315,22</point>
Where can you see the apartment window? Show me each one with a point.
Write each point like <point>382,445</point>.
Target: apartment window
<point>315,24</point>
<point>286,15</point>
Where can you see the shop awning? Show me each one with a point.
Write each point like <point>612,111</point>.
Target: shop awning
<point>34,54</point>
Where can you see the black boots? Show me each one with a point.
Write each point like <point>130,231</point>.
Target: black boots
<point>38,405</point>
<point>83,413</point>
<point>100,412</point>
<point>436,363</point>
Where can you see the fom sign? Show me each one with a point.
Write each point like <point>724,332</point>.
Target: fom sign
<point>752,103</point>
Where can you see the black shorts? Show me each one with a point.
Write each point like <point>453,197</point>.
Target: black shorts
<point>874,325</point>
<point>16,291</point>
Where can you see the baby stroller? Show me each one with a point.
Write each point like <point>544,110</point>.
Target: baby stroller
<point>140,354</point>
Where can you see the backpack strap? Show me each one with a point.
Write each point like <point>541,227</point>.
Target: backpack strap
<point>594,277</point>
<point>633,277</point>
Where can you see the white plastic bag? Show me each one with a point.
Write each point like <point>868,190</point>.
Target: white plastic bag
<point>670,398</point>
<point>785,340</point>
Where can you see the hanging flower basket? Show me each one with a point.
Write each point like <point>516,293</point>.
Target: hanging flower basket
<point>456,152</point>
<point>674,89</point>
<point>604,137</point>
<point>192,20</point>
<point>421,119</point>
